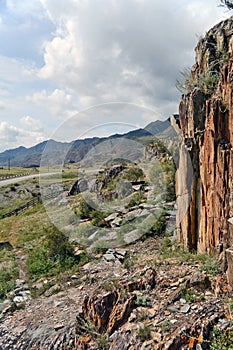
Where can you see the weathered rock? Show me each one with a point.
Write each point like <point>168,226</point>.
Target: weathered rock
<point>81,185</point>
<point>107,312</point>
<point>205,200</point>
<point>229,258</point>
<point>132,236</point>
<point>5,245</point>
<point>200,281</point>
<point>185,308</point>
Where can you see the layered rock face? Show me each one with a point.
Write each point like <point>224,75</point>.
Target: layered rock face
<point>205,174</point>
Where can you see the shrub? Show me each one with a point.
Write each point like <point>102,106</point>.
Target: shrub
<point>210,265</point>
<point>134,174</point>
<point>97,218</point>
<point>39,262</point>
<point>222,339</point>
<point>8,275</point>
<point>84,209</point>
<point>55,254</point>
<point>136,199</point>
<point>144,332</point>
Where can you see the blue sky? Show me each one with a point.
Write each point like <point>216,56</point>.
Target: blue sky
<point>107,64</point>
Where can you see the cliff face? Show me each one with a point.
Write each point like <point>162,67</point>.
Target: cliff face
<point>206,123</point>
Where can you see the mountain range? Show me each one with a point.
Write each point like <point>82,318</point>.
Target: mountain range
<point>76,150</point>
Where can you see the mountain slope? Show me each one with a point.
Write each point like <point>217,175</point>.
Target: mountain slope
<point>73,151</point>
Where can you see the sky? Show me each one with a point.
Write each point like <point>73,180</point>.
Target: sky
<point>79,68</point>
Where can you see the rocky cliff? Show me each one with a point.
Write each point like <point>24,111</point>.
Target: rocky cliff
<point>206,155</point>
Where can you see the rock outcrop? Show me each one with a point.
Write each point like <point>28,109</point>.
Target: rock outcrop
<point>206,123</point>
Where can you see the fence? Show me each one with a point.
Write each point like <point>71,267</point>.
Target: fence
<point>5,177</point>
<point>27,205</point>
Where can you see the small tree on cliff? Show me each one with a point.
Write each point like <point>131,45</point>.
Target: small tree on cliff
<point>227,3</point>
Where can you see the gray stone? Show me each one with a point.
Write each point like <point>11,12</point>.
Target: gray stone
<point>132,236</point>
<point>172,309</point>
<point>171,213</point>
<point>230,221</point>
<point>21,299</point>
<point>116,222</point>
<point>25,293</point>
<point>185,309</point>
<point>109,257</point>
<point>121,252</point>
<point>146,206</point>
<point>93,235</point>
<point>183,301</point>
<point>132,215</point>
<point>79,186</point>
<point>111,217</point>
<point>3,306</point>
<point>144,212</point>
<point>74,277</point>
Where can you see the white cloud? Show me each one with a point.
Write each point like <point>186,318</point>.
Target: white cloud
<point>31,123</point>
<point>125,50</point>
<point>25,7</point>
<point>69,55</point>
<point>16,71</point>
<point>58,103</point>
<point>12,136</point>
<point>8,133</point>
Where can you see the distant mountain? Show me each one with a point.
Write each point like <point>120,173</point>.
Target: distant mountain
<point>158,126</point>
<point>71,151</point>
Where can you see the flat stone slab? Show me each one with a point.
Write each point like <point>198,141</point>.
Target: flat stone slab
<point>111,217</point>
<point>132,236</point>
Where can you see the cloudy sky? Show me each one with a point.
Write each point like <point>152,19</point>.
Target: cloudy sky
<point>110,65</point>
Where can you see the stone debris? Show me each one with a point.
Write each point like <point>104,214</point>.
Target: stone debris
<point>173,306</point>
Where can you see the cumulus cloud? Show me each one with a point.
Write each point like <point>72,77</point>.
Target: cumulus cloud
<point>31,123</point>
<point>69,55</point>
<point>8,133</point>
<point>12,136</point>
<point>124,51</point>
<point>58,103</point>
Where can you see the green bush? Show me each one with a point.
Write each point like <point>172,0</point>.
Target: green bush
<point>84,209</point>
<point>8,275</point>
<point>222,339</point>
<point>134,174</point>
<point>54,255</point>
<point>144,332</point>
<point>39,262</point>
<point>136,199</point>
<point>210,265</point>
<point>97,218</point>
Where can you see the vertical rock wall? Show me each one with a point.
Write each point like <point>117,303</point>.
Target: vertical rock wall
<point>206,119</point>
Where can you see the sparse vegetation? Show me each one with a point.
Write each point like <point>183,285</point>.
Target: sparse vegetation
<point>142,301</point>
<point>134,173</point>
<point>136,199</point>
<point>52,256</point>
<point>206,82</point>
<point>8,275</point>
<point>222,339</point>
<point>144,332</point>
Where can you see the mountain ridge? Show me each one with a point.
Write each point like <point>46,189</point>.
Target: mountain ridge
<point>72,151</point>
